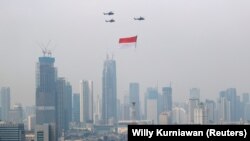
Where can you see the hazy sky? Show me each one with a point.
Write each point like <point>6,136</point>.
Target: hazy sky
<point>193,43</point>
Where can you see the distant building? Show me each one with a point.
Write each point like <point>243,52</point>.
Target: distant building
<point>151,105</point>
<point>86,101</point>
<point>46,102</point>
<point>200,114</point>
<point>167,99</point>
<point>164,118</point>
<point>5,103</point>
<point>64,105</point>
<point>125,107</point>
<point>16,114</point>
<point>134,96</point>
<point>46,90</point>
<point>45,132</point>
<point>76,107</point>
<point>210,107</point>
<point>109,92</point>
<point>179,115</point>
<point>224,108</point>
<point>31,122</point>
<point>12,131</point>
<point>194,100</point>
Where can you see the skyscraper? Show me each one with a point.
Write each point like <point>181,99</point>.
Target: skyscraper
<point>4,103</point>
<point>76,107</point>
<point>45,90</point>
<point>86,101</point>
<point>151,105</point>
<point>134,93</point>
<point>194,100</point>
<point>64,105</point>
<point>109,94</point>
<point>167,99</point>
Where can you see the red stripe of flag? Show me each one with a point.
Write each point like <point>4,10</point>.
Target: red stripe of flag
<point>128,39</point>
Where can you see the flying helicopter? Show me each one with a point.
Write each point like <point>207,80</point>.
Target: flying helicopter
<point>109,13</point>
<point>139,18</point>
<point>111,20</point>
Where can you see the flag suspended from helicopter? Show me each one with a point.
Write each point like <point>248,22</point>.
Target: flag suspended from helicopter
<point>128,42</point>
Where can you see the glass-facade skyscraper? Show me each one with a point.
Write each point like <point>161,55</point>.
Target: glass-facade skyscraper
<point>45,90</point>
<point>134,96</point>
<point>86,101</point>
<point>109,92</point>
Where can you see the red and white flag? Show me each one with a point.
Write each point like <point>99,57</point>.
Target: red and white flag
<point>128,42</point>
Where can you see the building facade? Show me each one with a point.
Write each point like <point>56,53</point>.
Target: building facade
<point>109,92</point>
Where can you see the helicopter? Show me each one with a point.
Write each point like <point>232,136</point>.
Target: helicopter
<point>111,20</point>
<point>139,18</point>
<point>109,13</point>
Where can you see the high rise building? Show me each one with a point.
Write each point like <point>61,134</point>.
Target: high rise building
<point>151,105</point>
<point>134,96</point>
<point>46,103</point>
<point>109,92</point>
<point>179,115</point>
<point>16,114</point>
<point>210,108</point>
<point>86,101</point>
<point>76,107</point>
<point>45,90</point>
<point>200,114</point>
<point>231,96</point>
<point>4,103</point>
<point>12,131</point>
<point>194,100</point>
<point>223,108</point>
<point>64,105</point>
<point>167,99</point>
<point>125,108</point>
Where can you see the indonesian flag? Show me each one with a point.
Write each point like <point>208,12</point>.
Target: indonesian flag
<point>128,42</point>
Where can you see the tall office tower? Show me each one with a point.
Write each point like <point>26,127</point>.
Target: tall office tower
<point>223,108</point>
<point>86,101</point>
<point>151,105</point>
<point>232,98</point>
<point>68,105</point>
<point>200,114</point>
<point>245,97</point>
<point>16,114</point>
<point>246,103</point>
<point>45,90</point>
<point>179,115</point>
<point>194,100</point>
<point>167,99</point>
<point>64,105</point>
<point>76,107</point>
<point>134,96</point>
<point>98,108</point>
<point>109,93</point>
<point>210,107</point>
<point>12,131</point>
<point>126,108</point>
<point>5,103</point>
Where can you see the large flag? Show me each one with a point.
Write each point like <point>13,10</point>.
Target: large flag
<point>128,42</point>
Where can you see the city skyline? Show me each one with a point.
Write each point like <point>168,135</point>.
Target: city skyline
<point>201,44</point>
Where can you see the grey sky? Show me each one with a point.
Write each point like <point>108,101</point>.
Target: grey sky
<point>193,43</point>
